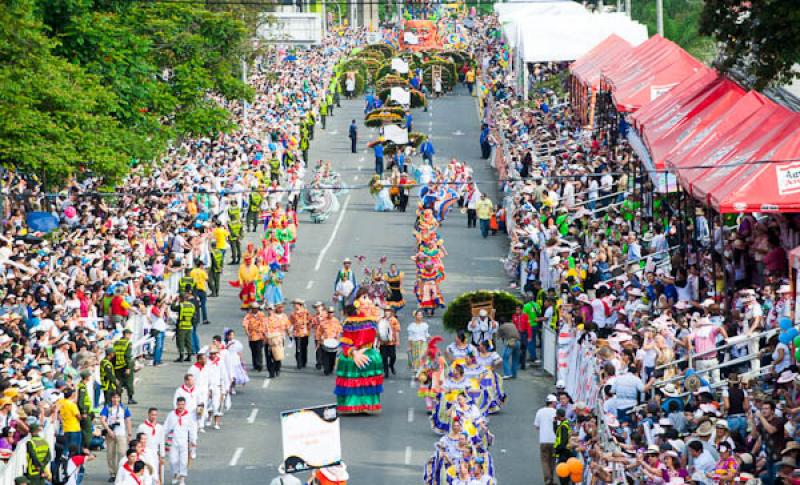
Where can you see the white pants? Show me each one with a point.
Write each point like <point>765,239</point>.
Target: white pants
<point>217,402</point>
<point>179,459</point>
<point>713,376</point>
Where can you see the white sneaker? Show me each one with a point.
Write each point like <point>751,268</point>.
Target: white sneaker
<point>216,426</point>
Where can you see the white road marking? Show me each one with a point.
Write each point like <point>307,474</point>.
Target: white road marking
<point>361,160</point>
<point>458,133</point>
<point>333,234</point>
<point>360,167</point>
<point>265,384</point>
<point>399,391</point>
<point>334,132</point>
<point>410,415</point>
<point>355,179</point>
<point>408,455</point>
<point>309,285</point>
<point>238,454</point>
<point>252,418</point>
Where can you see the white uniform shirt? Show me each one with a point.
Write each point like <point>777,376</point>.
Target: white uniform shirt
<point>183,427</point>
<point>155,436</point>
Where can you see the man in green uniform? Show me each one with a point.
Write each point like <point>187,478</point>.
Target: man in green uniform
<point>561,450</point>
<point>108,381</point>
<point>311,122</point>
<point>217,260</point>
<point>38,457</point>
<point>123,364</point>
<point>85,407</point>
<point>253,208</point>
<point>304,149</point>
<point>187,319</point>
<point>186,283</point>
<point>329,102</point>
<point>235,239</point>
<point>275,168</point>
<point>323,111</point>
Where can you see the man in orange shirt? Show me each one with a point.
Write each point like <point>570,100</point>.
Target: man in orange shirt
<point>329,328</point>
<point>255,326</point>
<point>319,308</point>
<point>301,327</point>
<point>278,325</point>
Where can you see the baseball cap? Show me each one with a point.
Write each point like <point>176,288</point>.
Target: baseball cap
<point>552,398</point>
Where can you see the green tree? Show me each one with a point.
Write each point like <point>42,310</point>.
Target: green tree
<point>55,120</point>
<point>681,24</point>
<point>761,38</point>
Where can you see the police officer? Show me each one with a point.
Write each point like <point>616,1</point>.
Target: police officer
<point>304,148</point>
<point>561,450</point>
<point>187,319</point>
<point>253,208</point>
<point>38,457</point>
<point>108,381</point>
<point>123,364</point>
<point>85,407</point>
<point>186,283</point>
<point>217,260</point>
<point>275,167</point>
<point>323,111</point>
<point>235,239</point>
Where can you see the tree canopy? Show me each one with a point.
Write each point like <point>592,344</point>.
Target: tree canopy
<point>681,24</point>
<point>89,85</point>
<point>760,38</point>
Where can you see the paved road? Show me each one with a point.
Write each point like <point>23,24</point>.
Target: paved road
<point>392,447</point>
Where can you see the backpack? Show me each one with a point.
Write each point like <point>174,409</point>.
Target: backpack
<point>61,466</point>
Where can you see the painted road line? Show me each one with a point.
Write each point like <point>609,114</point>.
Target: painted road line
<point>407,460</point>
<point>410,415</point>
<point>265,384</point>
<point>333,234</point>
<point>355,179</point>
<point>309,285</point>
<point>238,454</point>
<point>252,418</point>
<point>361,160</point>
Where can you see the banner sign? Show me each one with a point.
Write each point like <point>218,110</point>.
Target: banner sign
<point>311,438</point>
<point>788,179</point>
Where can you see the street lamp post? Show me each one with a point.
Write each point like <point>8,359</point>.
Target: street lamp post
<point>660,17</point>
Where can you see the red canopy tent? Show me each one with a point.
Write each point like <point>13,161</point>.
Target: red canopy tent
<point>588,69</point>
<point>772,125</point>
<point>765,187</point>
<point>649,72</point>
<point>665,105</point>
<point>696,112</point>
<point>694,150</point>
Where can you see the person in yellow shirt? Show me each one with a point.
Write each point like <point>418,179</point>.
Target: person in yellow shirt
<point>70,419</point>
<point>220,235</point>
<point>484,210</point>
<point>199,276</point>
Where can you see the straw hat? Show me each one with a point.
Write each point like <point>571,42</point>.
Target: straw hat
<point>705,429</point>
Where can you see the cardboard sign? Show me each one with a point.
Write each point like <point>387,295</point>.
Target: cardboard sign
<point>395,134</point>
<point>399,65</point>
<point>400,96</point>
<point>311,438</point>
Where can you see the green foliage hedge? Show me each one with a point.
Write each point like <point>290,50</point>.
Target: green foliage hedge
<point>459,311</point>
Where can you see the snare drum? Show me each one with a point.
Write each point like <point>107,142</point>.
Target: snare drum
<point>330,345</point>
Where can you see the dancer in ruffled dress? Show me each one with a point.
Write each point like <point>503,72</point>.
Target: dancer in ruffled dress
<point>394,278</point>
<point>273,293</point>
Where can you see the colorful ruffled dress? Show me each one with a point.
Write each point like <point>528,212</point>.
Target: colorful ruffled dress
<point>428,293</point>
<point>359,390</point>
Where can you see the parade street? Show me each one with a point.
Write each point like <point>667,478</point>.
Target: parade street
<point>390,448</point>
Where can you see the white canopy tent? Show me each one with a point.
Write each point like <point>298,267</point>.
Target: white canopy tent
<point>568,37</point>
<point>556,38</point>
<point>509,15</point>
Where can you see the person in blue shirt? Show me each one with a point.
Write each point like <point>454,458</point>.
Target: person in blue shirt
<point>378,148</point>
<point>409,121</point>
<point>486,148</point>
<point>353,135</point>
<point>427,151</point>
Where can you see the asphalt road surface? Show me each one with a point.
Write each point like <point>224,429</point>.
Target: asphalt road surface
<point>392,447</point>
